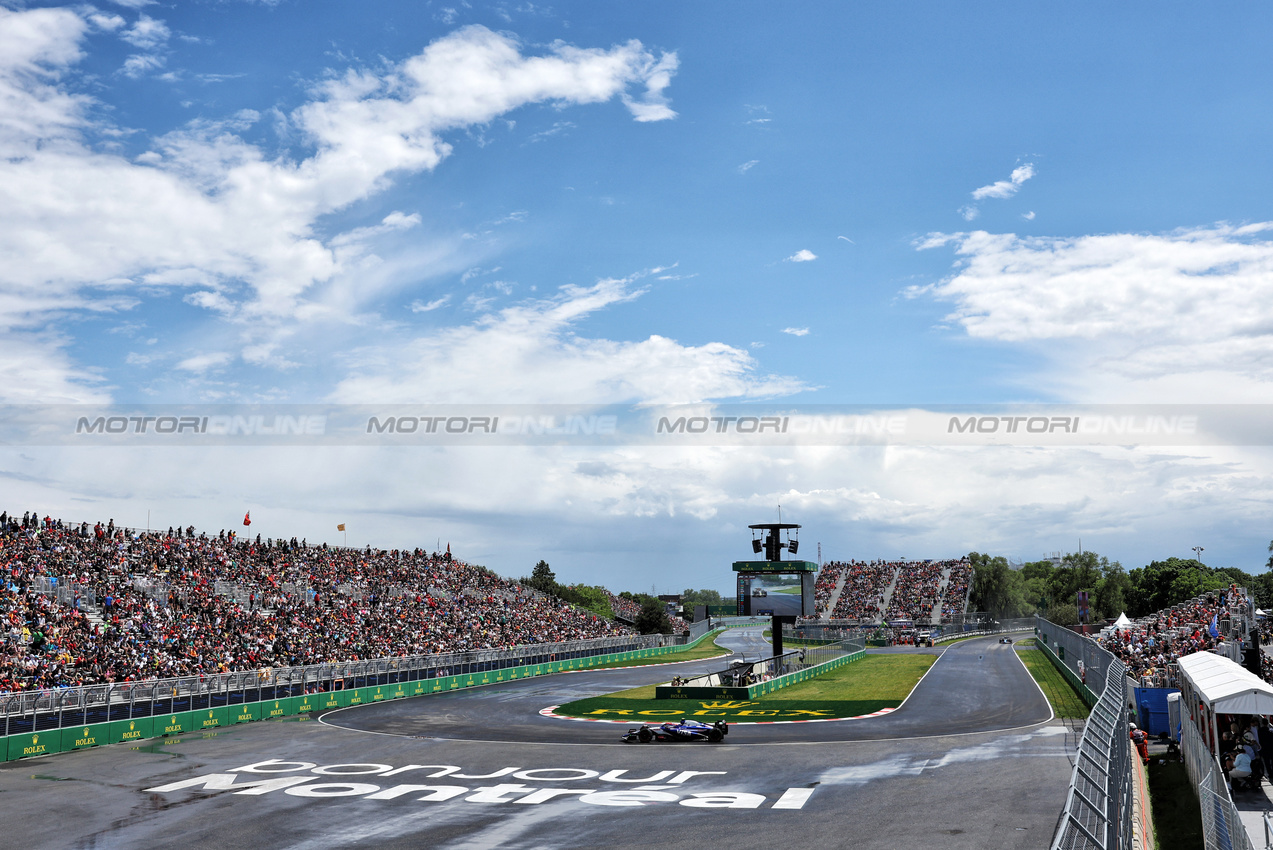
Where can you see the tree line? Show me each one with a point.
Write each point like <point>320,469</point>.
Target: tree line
<point>651,620</point>
<point>1051,589</point>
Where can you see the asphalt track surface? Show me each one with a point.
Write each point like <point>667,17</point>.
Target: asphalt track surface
<point>973,759</point>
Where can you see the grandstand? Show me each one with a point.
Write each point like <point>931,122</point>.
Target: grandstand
<point>88,604</point>
<point>924,592</point>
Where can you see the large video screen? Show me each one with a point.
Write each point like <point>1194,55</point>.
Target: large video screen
<point>764,595</point>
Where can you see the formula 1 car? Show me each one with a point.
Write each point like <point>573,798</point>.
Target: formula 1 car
<point>684,730</point>
<point>1005,640</point>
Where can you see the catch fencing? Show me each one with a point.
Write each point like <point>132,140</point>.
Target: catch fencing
<point>39,722</point>
<point>1098,807</point>
<point>1222,828</point>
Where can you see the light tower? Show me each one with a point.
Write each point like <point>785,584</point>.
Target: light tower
<point>774,587</point>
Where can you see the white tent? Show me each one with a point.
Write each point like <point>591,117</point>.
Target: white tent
<point>1222,687</point>
<point>1122,622</point>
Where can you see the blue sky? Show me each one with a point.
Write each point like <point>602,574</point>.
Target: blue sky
<point>236,202</point>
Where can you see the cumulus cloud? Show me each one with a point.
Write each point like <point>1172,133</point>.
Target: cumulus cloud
<point>796,331</point>
<point>1146,306</point>
<point>804,255</point>
<point>205,206</point>
<point>532,352</point>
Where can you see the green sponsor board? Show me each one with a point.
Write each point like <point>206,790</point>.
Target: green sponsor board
<point>308,703</point>
<point>281,707</point>
<point>326,701</point>
<point>419,686</point>
<point>211,718</point>
<point>245,712</point>
<point>125,731</point>
<point>357,696</point>
<point>83,737</point>
<point>397,691</point>
<point>35,744</point>
<point>173,724</point>
<point>378,693</point>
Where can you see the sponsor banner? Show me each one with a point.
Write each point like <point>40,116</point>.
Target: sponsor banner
<point>174,724</point>
<point>35,744</point>
<point>617,425</point>
<point>83,737</point>
<point>281,707</point>
<point>131,731</point>
<point>244,712</point>
<point>211,718</point>
<point>327,701</point>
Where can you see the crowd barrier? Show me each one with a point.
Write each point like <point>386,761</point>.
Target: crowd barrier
<point>38,723</point>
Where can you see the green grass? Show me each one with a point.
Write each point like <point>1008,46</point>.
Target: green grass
<point>1177,819</point>
<point>864,686</point>
<point>704,649</point>
<point>1065,700</point>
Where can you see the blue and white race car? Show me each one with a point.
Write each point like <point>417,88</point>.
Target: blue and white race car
<point>678,731</point>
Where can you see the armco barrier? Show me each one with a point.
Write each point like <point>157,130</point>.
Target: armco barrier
<point>47,735</point>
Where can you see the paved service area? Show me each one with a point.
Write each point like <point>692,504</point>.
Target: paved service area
<point>971,760</point>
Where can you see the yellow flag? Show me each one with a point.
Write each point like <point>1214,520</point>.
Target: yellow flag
<point>340,527</point>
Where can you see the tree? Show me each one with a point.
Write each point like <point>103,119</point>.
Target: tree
<point>690,598</point>
<point>997,588</point>
<point>543,578</point>
<point>653,619</point>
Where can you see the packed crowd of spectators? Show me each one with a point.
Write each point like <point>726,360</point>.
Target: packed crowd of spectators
<point>916,587</point>
<point>624,607</point>
<point>1151,645</point>
<point>862,597</point>
<point>916,590</point>
<point>83,604</point>
<point>955,597</point>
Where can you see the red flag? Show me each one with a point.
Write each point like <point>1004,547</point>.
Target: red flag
<point>448,547</point>
<point>247,518</point>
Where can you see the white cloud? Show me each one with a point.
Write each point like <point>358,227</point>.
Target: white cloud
<point>421,307</point>
<point>139,64</point>
<point>747,166</point>
<point>1124,307</point>
<point>1005,188</point>
<point>532,352</point>
<point>147,33</point>
<point>969,212</point>
<point>796,331</point>
<point>204,362</point>
<point>206,205</point>
<point>1028,216</point>
<point>106,21</point>
<point>804,255</point>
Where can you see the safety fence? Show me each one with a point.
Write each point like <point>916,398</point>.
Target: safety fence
<point>49,721</point>
<point>1222,828</point>
<point>1084,664</point>
<point>1098,808</point>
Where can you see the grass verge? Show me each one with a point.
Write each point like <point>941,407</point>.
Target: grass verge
<point>867,685</point>
<point>1177,818</point>
<point>1065,700</point>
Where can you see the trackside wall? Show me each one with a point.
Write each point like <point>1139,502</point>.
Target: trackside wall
<point>55,731</point>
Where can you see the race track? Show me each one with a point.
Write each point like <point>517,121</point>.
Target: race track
<point>972,759</point>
